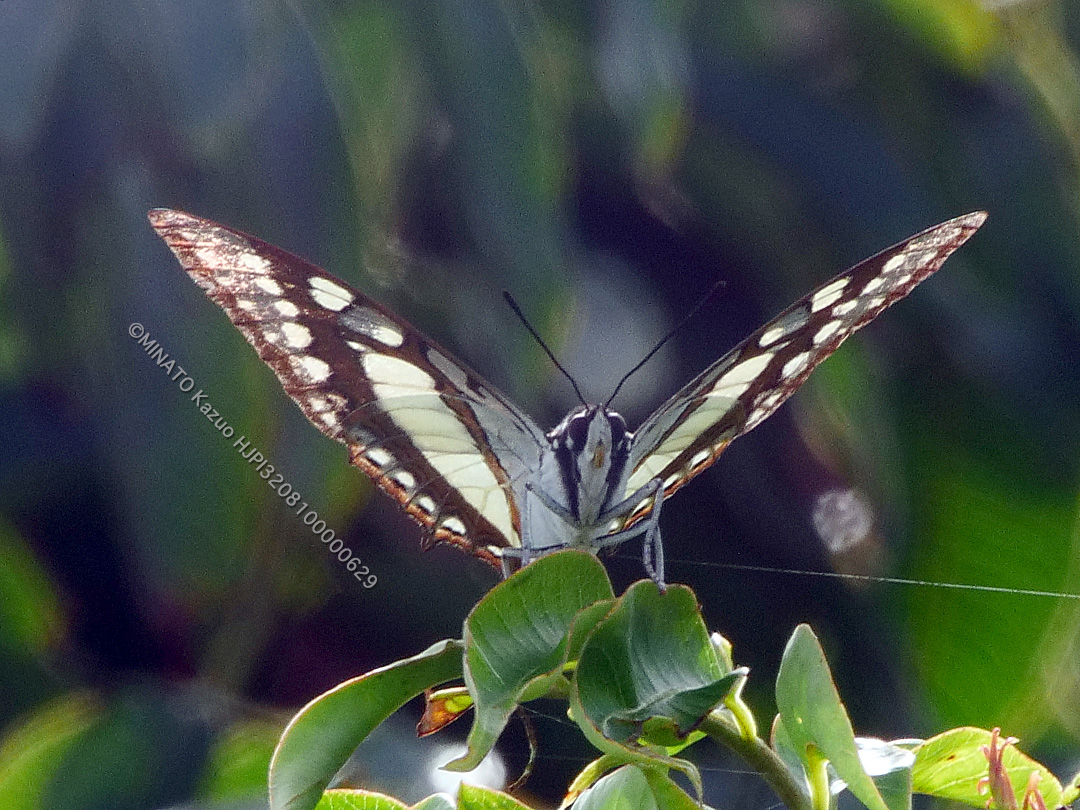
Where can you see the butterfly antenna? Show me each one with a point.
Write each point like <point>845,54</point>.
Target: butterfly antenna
<point>678,328</point>
<point>536,336</point>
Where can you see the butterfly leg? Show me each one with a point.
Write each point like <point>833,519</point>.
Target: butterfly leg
<point>508,554</point>
<point>653,551</point>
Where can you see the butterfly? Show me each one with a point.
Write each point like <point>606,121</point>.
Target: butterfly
<point>467,463</point>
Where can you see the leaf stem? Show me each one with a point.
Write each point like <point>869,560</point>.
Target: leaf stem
<point>756,753</point>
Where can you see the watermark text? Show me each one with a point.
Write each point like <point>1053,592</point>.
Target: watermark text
<point>251,454</point>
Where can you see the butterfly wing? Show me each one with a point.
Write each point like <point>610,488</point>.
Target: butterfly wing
<point>429,431</point>
<point>731,397</point>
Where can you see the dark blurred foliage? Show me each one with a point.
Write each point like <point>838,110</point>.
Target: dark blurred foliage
<point>162,612</point>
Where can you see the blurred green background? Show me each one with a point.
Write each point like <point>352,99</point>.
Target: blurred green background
<point>162,612</point>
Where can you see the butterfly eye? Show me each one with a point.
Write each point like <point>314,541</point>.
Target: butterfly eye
<point>577,430</point>
<point>618,427</point>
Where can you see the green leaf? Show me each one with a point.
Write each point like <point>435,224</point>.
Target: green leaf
<point>624,789</point>
<point>668,795</point>
<point>1071,792</point>
<point>477,797</point>
<point>239,761</point>
<point>139,753</point>
<point>589,775</point>
<point>651,657</point>
<point>632,788</point>
<point>354,799</point>
<point>32,751</point>
<point>320,738</point>
<point>815,720</point>
<point>437,801</point>
<point>781,743</point>
<point>951,764</point>
<point>30,615</point>
<point>362,800</point>
<point>518,639</point>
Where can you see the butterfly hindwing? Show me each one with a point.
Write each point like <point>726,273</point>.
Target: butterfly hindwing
<point>429,431</point>
<point>689,432</point>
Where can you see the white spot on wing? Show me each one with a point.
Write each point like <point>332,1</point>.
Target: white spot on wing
<point>374,325</point>
<point>287,308</point>
<point>404,479</point>
<point>795,366</point>
<point>296,335</point>
<point>378,456</point>
<point>827,331</point>
<point>329,294</point>
<point>894,264</point>
<point>453,524</point>
<point>311,370</point>
<point>771,336</point>
<point>252,263</point>
<point>873,285</point>
<point>828,295</point>
<point>738,378</point>
<point>327,301</point>
<point>846,308</point>
<point>268,285</point>
<point>784,325</point>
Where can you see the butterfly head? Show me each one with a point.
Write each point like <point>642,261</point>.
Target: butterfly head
<point>592,445</point>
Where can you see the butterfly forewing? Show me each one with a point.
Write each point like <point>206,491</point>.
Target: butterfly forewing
<point>428,430</point>
<point>687,434</point>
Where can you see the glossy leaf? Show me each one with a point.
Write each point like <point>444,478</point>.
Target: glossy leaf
<point>814,718</point>
<point>476,797</point>
<point>631,788</point>
<point>951,764</point>
<point>361,800</point>
<point>320,738</point>
<point>518,638</point>
<point>650,657</point>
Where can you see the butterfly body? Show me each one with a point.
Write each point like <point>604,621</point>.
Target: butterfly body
<point>578,496</point>
<point>463,460</point>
